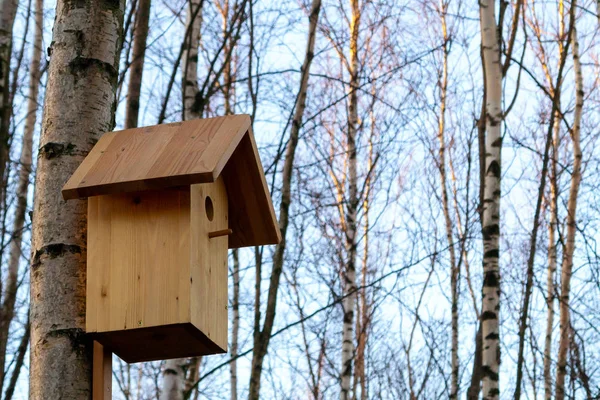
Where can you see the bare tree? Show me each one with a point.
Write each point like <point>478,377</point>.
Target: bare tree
<point>140,34</point>
<point>567,261</point>
<point>8,11</point>
<point>491,202</point>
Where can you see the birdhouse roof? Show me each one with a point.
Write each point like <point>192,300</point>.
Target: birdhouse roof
<point>181,154</point>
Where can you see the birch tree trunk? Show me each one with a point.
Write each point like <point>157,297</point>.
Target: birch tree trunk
<point>262,338</point>
<point>8,305</point>
<point>567,262</point>
<point>349,274</point>
<point>552,254</point>
<point>189,71</point>
<point>443,85</point>
<point>79,107</point>
<point>235,329</point>
<point>132,108</point>
<point>8,11</point>
<point>491,203</point>
<point>173,380</point>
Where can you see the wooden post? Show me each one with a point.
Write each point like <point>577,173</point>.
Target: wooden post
<point>101,373</point>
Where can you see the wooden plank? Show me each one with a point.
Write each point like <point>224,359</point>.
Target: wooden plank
<point>159,343</point>
<point>158,156</point>
<point>101,373</point>
<point>252,217</point>
<point>138,260</point>
<point>209,270</point>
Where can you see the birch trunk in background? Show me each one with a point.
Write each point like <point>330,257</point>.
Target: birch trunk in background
<point>491,202</point>
<point>567,261</point>
<point>140,35</point>
<point>235,329</point>
<point>443,86</point>
<point>552,254</point>
<point>79,107</point>
<point>189,70</point>
<point>174,376</point>
<point>349,273</point>
<point>25,161</point>
<point>173,380</point>
<point>8,11</point>
<point>551,271</point>
<point>262,338</point>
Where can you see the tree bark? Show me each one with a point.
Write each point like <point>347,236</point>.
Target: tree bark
<point>235,329</point>
<point>349,273</point>
<point>140,35</point>
<point>263,336</point>
<point>189,71</point>
<point>567,261</point>
<point>8,305</point>
<point>491,202</point>
<point>173,380</point>
<point>443,85</point>
<point>552,254</point>
<point>8,11</point>
<point>79,108</point>
<point>551,271</point>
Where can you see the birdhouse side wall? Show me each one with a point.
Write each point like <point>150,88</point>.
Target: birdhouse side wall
<point>138,269</point>
<point>209,272</point>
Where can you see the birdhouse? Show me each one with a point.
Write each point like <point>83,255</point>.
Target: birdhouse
<point>165,203</point>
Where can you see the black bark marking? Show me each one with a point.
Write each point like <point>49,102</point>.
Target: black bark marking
<point>491,253</point>
<point>487,315</point>
<point>77,337</point>
<point>487,372</point>
<point>494,169</point>
<point>491,280</point>
<point>80,65</point>
<point>52,150</point>
<point>489,231</point>
<point>54,250</point>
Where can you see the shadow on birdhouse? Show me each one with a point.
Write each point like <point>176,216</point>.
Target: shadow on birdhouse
<point>165,203</point>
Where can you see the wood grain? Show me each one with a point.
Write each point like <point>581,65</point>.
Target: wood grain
<point>209,262</point>
<point>252,217</point>
<point>151,264</point>
<point>101,373</point>
<point>159,156</point>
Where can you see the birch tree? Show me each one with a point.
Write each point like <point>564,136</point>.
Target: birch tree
<point>79,107</point>
<point>491,202</point>
<point>567,261</point>
<point>8,11</point>
<point>349,273</point>
<point>140,35</point>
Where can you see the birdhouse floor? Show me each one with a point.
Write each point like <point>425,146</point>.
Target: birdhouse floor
<point>158,343</point>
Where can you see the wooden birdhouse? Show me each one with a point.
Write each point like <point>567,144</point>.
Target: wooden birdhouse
<point>165,203</point>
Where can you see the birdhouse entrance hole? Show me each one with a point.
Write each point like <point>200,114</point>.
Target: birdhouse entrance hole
<point>210,211</point>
